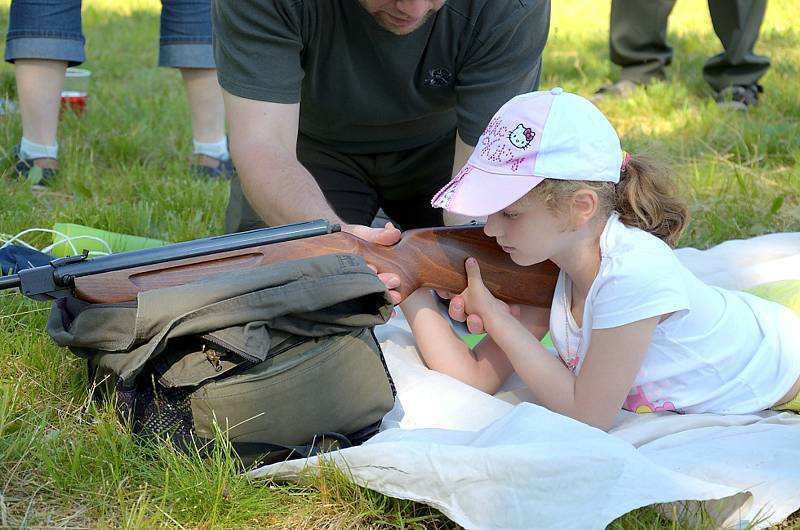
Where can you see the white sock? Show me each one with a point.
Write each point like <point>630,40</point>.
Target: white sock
<point>29,150</point>
<point>216,150</point>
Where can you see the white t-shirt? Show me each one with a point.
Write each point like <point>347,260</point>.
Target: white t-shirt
<point>721,351</point>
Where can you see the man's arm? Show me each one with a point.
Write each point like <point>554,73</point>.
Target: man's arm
<point>462,153</point>
<point>263,139</point>
<point>263,145</point>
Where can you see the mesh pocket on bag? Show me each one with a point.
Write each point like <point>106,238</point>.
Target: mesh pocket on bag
<point>167,411</point>
<point>153,410</point>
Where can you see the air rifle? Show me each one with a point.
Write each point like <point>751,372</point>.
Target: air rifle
<point>429,257</point>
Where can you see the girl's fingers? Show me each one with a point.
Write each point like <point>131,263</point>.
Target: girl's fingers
<point>473,271</point>
<point>447,295</point>
<point>512,309</point>
<point>475,324</point>
<point>456,309</point>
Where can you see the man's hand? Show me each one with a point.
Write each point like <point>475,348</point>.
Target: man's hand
<point>388,235</point>
<point>476,302</point>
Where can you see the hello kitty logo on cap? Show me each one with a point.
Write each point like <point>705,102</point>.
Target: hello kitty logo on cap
<point>521,137</point>
<point>545,134</point>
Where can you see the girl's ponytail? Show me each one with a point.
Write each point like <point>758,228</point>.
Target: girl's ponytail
<point>646,198</point>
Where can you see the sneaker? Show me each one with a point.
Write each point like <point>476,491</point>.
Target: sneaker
<point>739,97</point>
<point>26,168</point>
<point>621,88</point>
<point>209,166</point>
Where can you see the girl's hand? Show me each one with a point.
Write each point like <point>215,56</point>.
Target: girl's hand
<point>476,303</point>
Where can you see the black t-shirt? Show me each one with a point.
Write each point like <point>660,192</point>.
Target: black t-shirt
<point>363,89</point>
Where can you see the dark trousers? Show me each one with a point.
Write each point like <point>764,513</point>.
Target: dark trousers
<point>401,183</point>
<point>638,40</point>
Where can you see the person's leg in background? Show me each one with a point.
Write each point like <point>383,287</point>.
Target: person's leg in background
<point>638,43</point>
<point>734,73</point>
<point>186,44</point>
<point>43,39</point>
<point>210,145</point>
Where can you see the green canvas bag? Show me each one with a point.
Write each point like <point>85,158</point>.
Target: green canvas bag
<point>280,358</point>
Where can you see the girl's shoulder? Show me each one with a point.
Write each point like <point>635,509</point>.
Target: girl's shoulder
<point>621,241</point>
<point>638,255</point>
<point>635,254</point>
<point>639,277</point>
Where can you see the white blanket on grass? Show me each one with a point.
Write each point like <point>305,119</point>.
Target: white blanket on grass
<point>498,462</point>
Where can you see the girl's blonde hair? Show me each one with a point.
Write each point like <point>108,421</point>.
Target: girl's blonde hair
<point>645,197</point>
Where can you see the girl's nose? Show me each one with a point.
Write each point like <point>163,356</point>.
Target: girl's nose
<point>492,228</point>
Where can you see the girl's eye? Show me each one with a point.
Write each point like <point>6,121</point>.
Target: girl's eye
<point>509,215</point>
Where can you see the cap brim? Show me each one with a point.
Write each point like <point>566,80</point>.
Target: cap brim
<point>475,192</point>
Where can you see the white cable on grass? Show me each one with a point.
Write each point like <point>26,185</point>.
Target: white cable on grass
<point>9,239</point>
<point>65,239</point>
<point>70,239</point>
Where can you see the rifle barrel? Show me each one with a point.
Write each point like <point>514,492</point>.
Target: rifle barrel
<point>9,282</point>
<point>198,247</point>
<point>56,279</point>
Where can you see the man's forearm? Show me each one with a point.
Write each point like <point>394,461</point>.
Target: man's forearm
<point>282,191</point>
<point>263,138</point>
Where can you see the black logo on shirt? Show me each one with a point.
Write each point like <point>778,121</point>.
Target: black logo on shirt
<point>438,78</point>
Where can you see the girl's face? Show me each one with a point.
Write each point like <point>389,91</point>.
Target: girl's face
<point>529,233</point>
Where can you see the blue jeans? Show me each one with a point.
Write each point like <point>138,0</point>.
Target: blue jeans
<point>51,29</point>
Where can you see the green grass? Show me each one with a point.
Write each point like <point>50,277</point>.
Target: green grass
<point>65,462</point>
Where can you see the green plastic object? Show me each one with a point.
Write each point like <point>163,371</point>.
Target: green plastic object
<point>117,242</point>
<point>785,292</point>
<point>472,340</point>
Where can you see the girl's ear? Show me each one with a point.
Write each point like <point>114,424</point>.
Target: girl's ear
<point>585,203</point>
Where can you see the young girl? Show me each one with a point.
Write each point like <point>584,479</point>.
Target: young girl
<point>631,326</point>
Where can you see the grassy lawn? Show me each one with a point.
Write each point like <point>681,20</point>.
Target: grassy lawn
<point>64,462</point>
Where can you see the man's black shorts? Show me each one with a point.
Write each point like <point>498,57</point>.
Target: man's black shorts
<point>402,183</point>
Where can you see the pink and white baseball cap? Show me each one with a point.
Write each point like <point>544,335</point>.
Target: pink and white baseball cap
<point>547,134</point>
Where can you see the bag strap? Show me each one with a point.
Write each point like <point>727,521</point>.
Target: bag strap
<point>314,448</point>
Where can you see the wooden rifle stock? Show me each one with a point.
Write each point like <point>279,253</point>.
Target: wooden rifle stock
<point>431,258</point>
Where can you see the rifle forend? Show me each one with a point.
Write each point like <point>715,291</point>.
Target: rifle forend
<point>432,257</point>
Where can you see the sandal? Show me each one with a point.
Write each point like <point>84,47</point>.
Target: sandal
<point>221,169</point>
<point>26,168</point>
